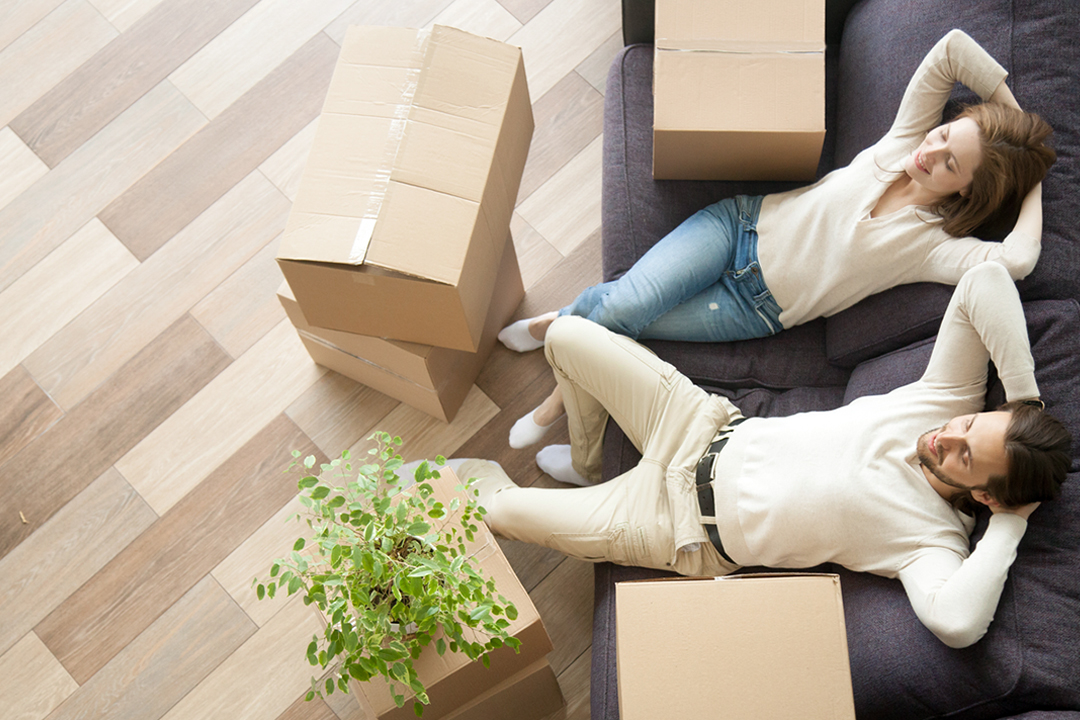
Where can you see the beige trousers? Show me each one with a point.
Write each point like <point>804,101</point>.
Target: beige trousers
<point>644,516</point>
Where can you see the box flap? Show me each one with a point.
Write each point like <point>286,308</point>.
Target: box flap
<point>794,24</point>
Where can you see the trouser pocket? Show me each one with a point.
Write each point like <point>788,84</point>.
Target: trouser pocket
<point>623,545</point>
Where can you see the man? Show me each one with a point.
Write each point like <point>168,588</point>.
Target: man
<point>877,486</point>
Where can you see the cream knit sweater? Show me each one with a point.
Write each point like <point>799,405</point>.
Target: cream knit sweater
<point>845,485</point>
<point>819,249</point>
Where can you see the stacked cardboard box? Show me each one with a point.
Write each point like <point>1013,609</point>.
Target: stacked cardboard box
<point>742,647</point>
<point>516,686</point>
<point>738,89</point>
<point>396,253</point>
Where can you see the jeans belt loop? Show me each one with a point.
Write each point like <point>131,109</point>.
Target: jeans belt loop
<point>706,496</point>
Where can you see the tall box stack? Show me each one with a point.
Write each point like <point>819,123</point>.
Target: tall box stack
<point>738,89</point>
<point>516,686</point>
<point>399,234</point>
<point>741,647</point>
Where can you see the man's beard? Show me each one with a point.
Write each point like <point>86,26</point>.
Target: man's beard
<point>932,463</point>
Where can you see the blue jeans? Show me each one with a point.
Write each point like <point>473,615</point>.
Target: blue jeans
<point>700,283</point>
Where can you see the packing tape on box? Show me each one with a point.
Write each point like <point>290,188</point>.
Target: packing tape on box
<point>740,47</point>
<point>324,343</point>
<point>381,174</point>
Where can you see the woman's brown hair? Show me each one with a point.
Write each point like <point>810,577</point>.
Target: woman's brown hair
<point>1014,159</point>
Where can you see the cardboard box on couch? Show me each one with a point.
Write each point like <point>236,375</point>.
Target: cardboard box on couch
<point>738,89</point>
<point>408,191</point>
<point>456,685</point>
<point>432,379</point>
<point>742,647</point>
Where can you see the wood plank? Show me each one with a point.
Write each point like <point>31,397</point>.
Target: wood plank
<point>486,18</point>
<point>414,14</point>
<point>234,407</point>
<point>560,36</point>
<point>524,10</point>
<point>536,256</point>
<point>574,682</point>
<point>166,561</point>
<point>163,663</point>
<point>262,678</point>
<point>45,54</point>
<point>286,166</point>
<point>240,56</point>
<point>317,709</point>
<point>565,601</point>
<point>253,558</point>
<point>18,16</point>
<point>25,413</point>
<point>566,209</point>
<point>67,551</point>
<point>52,293</point>
<point>425,437</point>
<point>245,306</point>
<point>157,293</point>
<point>191,179</point>
<point>120,73</point>
<point>338,412</point>
<point>594,69</point>
<point>46,214</point>
<point>22,167</point>
<point>568,117</point>
<point>32,682</point>
<point>108,423</point>
<point>124,13</point>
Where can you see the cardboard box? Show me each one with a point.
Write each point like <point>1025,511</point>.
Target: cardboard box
<point>452,681</point>
<point>532,694</point>
<point>432,379</point>
<point>742,647</point>
<point>738,89</point>
<point>398,226</point>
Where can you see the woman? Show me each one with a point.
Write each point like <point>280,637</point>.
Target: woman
<point>901,212</point>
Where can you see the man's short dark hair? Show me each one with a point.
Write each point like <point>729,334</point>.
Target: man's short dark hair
<point>1038,449</point>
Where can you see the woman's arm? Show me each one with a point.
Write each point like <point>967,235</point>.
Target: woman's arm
<point>1018,252</point>
<point>955,58</point>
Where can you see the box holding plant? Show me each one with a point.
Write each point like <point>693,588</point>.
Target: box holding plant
<point>411,584</point>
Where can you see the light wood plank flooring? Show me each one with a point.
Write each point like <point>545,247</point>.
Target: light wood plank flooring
<point>151,387</point>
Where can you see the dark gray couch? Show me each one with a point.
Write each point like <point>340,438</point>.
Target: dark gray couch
<point>1028,665</point>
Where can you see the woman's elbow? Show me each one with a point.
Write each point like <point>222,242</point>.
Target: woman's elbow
<point>957,634</point>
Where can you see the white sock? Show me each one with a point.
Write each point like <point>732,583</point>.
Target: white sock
<point>555,461</point>
<point>527,431</point>
<point>517,337</point>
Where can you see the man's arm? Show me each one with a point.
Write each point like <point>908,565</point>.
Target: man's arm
<point>956,599</point>
<point>984,321</point>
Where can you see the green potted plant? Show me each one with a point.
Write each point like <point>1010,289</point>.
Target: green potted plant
<point>388,567</point>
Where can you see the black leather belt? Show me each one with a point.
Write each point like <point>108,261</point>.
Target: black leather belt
<point>706,496</point>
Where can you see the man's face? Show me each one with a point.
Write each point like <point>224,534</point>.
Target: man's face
<point>967,450</point>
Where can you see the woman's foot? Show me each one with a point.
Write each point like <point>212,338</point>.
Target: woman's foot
<point>531,428</point>
<point>528,334</point>
<point>555,461</point>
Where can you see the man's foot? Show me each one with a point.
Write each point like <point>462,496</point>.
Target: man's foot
<point>555,461</point>
<point>528,334</point>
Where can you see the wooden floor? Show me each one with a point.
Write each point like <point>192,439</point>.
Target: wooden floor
<point>151,388</point>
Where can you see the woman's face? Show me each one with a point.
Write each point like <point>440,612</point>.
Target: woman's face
<point>946,160</point>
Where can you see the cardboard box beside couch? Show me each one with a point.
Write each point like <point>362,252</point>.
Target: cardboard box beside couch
<point>432,379</point>
<point>738,89</point>
<point>399,224</point>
